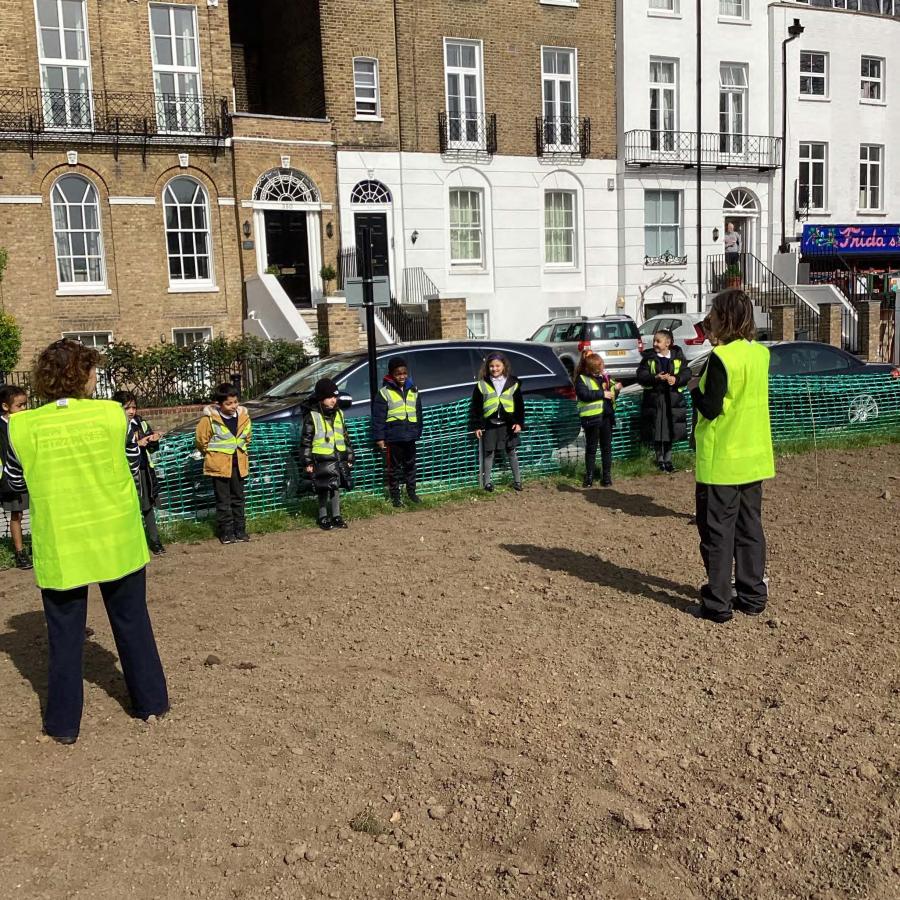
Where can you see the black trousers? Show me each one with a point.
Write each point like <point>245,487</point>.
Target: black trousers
<point>598,432</point>
<point>729,519</point>
<point>229,492</point>
<point>401,466</point>
<point>126,607</point>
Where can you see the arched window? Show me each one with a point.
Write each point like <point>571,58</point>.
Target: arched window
<point>285,186</point>
<point>740,201</point>
<point>187,232</point>
<point>76,232</point>
<point>370,192</point>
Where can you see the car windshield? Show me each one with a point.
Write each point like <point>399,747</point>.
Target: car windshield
<point>304,381</point>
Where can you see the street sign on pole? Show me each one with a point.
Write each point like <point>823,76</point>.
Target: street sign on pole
<point>381,290</point>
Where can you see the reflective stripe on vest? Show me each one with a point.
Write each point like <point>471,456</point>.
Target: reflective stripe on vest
<point>400,409</point>
<point>223,441</point>
<point>595,407</point>
<point>736,446</point>
<point>85,515</point>
<point>329,434</point>
<point>676,366</point>
<point>493,401</point>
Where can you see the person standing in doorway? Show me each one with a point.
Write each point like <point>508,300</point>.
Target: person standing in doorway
<point>732,242</point>
<point>71,456</point>
<point>734,457</point>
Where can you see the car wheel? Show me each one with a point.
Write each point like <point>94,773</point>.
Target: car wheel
<point>862,409</point>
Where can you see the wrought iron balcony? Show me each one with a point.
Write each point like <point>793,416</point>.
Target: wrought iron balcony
<point>463,133</point>
<point>646,147</point>
<point>116,117</point>
<point>563,137</point>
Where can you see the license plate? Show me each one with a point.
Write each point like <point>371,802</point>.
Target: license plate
<point>615,352</point>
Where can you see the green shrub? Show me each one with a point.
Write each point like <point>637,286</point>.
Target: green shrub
<point>10,343</point>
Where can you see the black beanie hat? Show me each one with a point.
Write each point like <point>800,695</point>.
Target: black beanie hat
<point>397,362</point>
<point>325,387</point>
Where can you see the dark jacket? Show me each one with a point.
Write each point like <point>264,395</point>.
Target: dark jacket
<point>137,428</point>
<point>587,395</point>
<point>395,432</point>
<point>660,397</point>
<point>327,469</point>
<point>476,409</point>
<point>6,493</point>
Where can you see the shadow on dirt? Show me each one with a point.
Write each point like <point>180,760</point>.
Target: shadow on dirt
<point>596,570</point>
<point>26,646</point>
<point>633,504</point>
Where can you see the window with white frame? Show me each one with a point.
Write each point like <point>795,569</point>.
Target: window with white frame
<point>462,72</point>
<point>176,68</point>
<point>871,83</point>
<point>733,9</point>
<point>365,88</point>
<point>663,100</point>
<point>559,87</point>
<point>813,74</point>
<point>99,340</point>
<point>466,227</point>
<point>733,91</point>
<point>478,324</point>
<point>564,312</point>
<point>65,63</point>
<point>186,209</point>
<point>187,337</point>
<point>870,160</point>
<point>662,228</point>
<point>812,185</point>
<point>559,228</point>
<point>665,5</point>
<point>76,232</point>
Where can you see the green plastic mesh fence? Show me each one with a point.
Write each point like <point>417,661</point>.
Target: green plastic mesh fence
<point>803,408</point>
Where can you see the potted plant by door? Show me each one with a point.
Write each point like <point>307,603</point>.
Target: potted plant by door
<point>328,275</point>
<point>732,277</point>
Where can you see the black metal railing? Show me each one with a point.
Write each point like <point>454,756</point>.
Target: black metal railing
<point>764,287</point>
<point>408,324</point>
<point>461,133</point>
<point>649,147</point>
<point>417,286</point>
<point>562,136</point>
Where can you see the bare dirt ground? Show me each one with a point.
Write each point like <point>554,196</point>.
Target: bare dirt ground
<point>530,714</point>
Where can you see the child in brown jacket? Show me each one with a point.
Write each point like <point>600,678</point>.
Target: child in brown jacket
<point>223,437</point>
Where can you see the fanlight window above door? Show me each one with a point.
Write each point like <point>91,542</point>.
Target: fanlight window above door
<point>370,192</point>
<point>741,202</point>
<point>285,186</point>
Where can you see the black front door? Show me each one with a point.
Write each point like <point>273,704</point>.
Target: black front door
<point>287,249</point>
<point>377,225</point>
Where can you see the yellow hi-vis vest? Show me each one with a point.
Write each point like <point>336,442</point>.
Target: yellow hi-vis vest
<point>595,407</point>
<point>493,401</point>
<point>329,436</point>
<point>223,441</point>
<point>398,408</point>
<point>676,368</point>
<point>736,446</point>
<point>85,515</point>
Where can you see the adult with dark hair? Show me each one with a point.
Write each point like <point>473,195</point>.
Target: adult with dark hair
<point>86,527</point>
<point>734,457</point>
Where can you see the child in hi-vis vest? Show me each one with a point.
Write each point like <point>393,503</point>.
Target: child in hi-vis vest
<point>326,452</point>
<point>12,400</point>
<point>596,393</point>
<point>396,426</point>
<point>223,437</point>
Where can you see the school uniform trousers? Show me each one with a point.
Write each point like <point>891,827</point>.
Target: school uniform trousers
<point>401,465</point>
<point>229,492</point>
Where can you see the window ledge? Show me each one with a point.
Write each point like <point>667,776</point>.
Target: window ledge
<point>734,20</point>
<point>193,289</point>
<point>573,3</point>
<point>864,102</point>
<point>467,269</point>
<point>560,270</point>
<point>360,118</point>
<point>820,212</point>
<point>813,98</point>
<point>871,212</point>
<point>666,266</point>
<point>84,292</point>
<point>663,14</point>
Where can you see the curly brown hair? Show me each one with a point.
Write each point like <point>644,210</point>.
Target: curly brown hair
<point>734,311</point>
<point>590,364</point>
<point>62,369</point>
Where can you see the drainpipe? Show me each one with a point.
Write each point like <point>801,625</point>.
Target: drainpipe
<point>794,31</point>
<point>699,157</point>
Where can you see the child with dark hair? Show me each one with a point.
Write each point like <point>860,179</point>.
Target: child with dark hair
<point>12,400</point>
<point>223,437</point>
<point>396,426</point>
<point>497,416</point>
<point>663,373</point>
<point>596,393</point>
<point>326,452</point>
<point>142,434</point>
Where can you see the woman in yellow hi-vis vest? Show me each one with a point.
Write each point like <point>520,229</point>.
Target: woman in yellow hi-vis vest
<point>85,527</point>
<point>734,456</point>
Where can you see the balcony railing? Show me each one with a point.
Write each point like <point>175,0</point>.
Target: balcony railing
<point>563,136</point>
<point>118,116</point>
<point>648,147</point>
<point>464,133</point>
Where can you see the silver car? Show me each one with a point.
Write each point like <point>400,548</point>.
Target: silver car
<point>687,328</point>
<point>615,338</point>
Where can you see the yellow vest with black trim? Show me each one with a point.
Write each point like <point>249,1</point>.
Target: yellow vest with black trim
<point>492,401</point>
<point>329,435</point>
<point>400,409</point>
<point>736,446</point>
<point>223,441</point>
<point>676,367</point>
<point>85,515</point>
<point>587,409</point>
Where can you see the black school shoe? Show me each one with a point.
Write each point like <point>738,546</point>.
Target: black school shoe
<point>517,487</point>
<point>669,467</point>
<point>489,487</point>
<point>226,538</point>
<point>588,482</point>
<point>23,560</point>
<point>65,739</point>
<point>396,502</point>
<point>338,522</point>
<point>748,609</point>
<point>606,482</point>
<point>243,537</point>
<point>324,523</point>
<point>413,496</point>
<point>699,611</point>
<point>156,547</point>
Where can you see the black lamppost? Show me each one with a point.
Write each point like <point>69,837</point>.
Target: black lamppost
<point>794,31</point>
